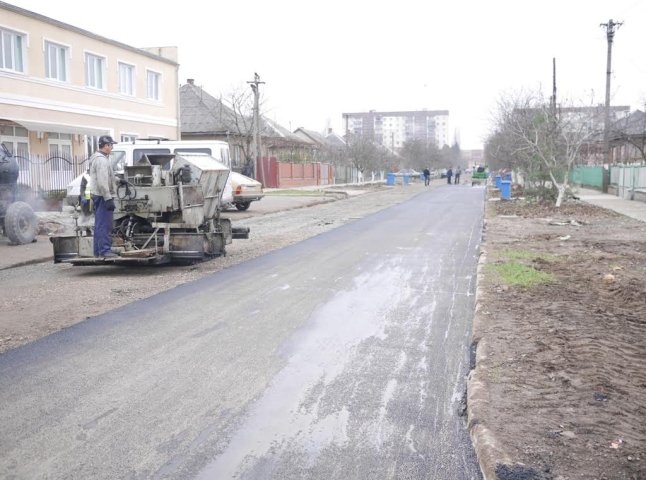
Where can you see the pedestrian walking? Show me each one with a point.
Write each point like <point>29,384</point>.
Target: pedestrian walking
<point>449,174</point>
<point>103,189</point>
<point>427,177</point>
<point>458,172</point>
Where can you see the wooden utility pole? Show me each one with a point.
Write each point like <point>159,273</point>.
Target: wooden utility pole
<point>610,33</point>
<point>255,86</point>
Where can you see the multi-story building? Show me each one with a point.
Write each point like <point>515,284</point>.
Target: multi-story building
<point>61,87</point>
<point>393,129</point>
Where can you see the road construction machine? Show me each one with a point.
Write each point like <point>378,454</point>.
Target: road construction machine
<point>17,219</point>
<point>167,211</point>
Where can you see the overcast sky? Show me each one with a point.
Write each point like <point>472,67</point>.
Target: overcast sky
<point>321,59</point>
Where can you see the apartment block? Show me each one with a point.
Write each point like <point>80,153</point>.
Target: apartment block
<point>61,87</point>
<point>393,129</point>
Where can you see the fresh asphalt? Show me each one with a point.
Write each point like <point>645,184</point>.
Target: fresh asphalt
<point>341,357</point>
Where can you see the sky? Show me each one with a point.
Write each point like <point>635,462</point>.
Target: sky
<point>322,59</point>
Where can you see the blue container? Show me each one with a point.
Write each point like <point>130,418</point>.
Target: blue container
<point>505,190</point>
<point>498,180</point>
<point>406,179</point>
<point>508,176</point>
<point>390,179</point>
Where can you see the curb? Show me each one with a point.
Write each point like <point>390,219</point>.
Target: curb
<point>32,261</point>
<point>488,451</point>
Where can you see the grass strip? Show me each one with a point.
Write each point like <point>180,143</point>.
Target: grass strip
<point>519,274</point>
<point>527,255</point>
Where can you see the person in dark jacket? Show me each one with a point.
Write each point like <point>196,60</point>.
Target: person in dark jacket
<point>427,177</point>
<point>449,174</point>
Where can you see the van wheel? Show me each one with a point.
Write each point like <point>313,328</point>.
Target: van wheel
<point>242,206</point>
<point>20,223</point>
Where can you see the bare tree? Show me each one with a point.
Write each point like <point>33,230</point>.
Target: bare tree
<point>363,153</point>
<point>450,156</point>
<point>420,155</point>
<point>631,131</point>
<point>538,139</point>
<point>240,122</point>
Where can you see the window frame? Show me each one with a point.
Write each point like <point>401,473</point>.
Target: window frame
<point>59,147</point>
<point>17,52</point>
<point>156,94</point>
<point>91,60</point>
<point>126,88</point>
<point>62,55</point>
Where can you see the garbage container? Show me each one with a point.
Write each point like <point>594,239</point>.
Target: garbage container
<point>406,179</point>
<point>508,176</point>
<point>390,179</point>
<point>498,180</point>
<point>505,190</point>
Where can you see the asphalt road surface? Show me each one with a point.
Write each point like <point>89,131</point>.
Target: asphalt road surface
<point>341,357</point>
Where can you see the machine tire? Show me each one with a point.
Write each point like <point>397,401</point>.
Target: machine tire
<point>20,223</point>
<point>242,206</point>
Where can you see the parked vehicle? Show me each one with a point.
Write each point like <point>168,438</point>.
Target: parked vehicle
<point>479,175</point>
<point>244,190</point>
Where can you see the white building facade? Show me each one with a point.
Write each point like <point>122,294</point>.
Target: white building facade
<point>394,129</point>
<point>62,87</point>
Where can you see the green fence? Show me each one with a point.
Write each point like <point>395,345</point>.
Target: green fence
<point>587,176</point>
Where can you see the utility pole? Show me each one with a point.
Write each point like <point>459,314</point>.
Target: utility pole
<point>610,33</point>
<point>255,86</point>
<point>553,97</point>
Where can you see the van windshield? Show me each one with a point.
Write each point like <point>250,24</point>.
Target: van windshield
<point>140,152</point>
<point>118,161</point>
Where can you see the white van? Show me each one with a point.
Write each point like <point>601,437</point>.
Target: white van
<point>128,153</point>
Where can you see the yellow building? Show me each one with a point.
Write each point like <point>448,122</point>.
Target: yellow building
<point>62,87</point>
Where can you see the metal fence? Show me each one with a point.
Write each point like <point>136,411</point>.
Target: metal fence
<point>628,179</point>
<point>49,176</point>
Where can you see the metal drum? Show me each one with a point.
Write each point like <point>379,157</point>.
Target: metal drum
<point>65,247</point>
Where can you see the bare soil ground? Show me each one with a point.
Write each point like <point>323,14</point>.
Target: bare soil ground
<point>564,363</point>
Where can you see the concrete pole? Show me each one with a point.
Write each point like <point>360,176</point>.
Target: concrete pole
<point>255,86</point>
<point>610,33</point>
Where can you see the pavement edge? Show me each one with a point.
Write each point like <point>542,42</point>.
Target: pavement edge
<point>488,450</point>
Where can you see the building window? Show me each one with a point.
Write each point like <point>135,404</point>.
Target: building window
<point>16,139</point>
<point>153,82</point>
<point>56,60</point>
<point>126,79</point>
<point>60,150</point>
<point>12,52</point>
<point>94,71</point>
<point>128,138</point>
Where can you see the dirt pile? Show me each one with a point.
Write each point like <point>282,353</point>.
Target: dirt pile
<point>562,361</point>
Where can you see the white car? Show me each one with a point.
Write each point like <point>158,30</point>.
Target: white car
<point>244,190</point>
